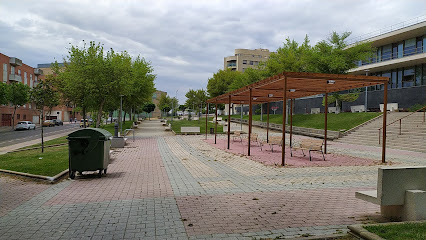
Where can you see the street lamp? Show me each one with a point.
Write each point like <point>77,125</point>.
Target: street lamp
<point>121,113</point>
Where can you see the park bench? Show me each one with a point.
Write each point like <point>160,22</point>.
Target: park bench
<point>168,127</point>
<point>390,107</point>
<point>165,123</point>
<point>315,110</point>
<point>187,130</point>
<point>401,193</point>
<point>255,138</point>
<point>332,109</point>
<point>358,108</point>
<point>309,145</point>
<point>274,140</point>
<point>218,119</point>
<point>237,135</point>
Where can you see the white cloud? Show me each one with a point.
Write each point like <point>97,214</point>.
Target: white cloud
<point>185,40</point>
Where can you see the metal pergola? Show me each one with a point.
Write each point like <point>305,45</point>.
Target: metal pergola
<point>293,85</point>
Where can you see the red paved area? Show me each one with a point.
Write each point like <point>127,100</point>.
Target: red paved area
<point>251,212</point>
<point>16,192</point>
<point>137,173</point>
<point>268,157</point>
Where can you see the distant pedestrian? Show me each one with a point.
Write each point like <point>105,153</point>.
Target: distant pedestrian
<point>70,120</point>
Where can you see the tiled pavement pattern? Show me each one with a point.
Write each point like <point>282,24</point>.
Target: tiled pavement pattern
<point>179,187</point>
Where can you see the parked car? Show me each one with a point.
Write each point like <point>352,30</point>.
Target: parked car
<point>58,122</point>
<point>48,123</point>
<point>25,125</point>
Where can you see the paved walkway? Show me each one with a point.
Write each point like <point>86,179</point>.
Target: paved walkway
<point>181,187</point>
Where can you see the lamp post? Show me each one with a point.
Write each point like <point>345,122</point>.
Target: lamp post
<point>366,92</point>
<point>119,118</point>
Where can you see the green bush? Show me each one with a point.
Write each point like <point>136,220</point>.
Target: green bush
<point>416,107</point>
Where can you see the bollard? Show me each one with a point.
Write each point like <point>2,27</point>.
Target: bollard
<point>116,130</point>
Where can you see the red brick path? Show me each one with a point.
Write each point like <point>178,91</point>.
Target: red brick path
<point>138,173</point>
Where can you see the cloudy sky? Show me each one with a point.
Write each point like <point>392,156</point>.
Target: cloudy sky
<point>185,41</point>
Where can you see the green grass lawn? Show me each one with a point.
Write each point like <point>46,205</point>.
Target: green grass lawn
<point>412,231</point>
<point>50,142</point>
<point>176,124</point>
<point>110,127</point>
<point>336,122</point>
<point>53,161</point>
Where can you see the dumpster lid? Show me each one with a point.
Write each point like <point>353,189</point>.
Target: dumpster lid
<point>96,133</point>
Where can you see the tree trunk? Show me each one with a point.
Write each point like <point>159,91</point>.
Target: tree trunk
<point>13,118</point>
<point>42,131</point>
<point>124,117</point>
<point>98,119</point>
<point>84,117</point>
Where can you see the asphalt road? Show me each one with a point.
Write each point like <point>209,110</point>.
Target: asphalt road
<point>8,138</point>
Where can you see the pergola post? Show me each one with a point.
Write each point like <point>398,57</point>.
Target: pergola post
<point>385,110</point>
<point>284,117</point>
<point>291,123</point>
<point>325,122</point>
<point>229,121</point>
<point>267,123</point>
<point>207,114</point>
<point>250,120</point>
<point>215,124</point>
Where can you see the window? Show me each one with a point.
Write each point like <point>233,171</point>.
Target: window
<point>410,47</point>
<point>418,75</point>
<point>408,77</point>
<point>424,74</point>
<point>25,77</point>
<point>244,69</point>
<point>4,72</point>
<point>399,78</point>
<point>18,116</point>
<point>387,74</point>
<point>400,50</point>
<point>386,52</point>
<point>394,50</point>
<point>419,45</point>
<point>244,61</point>
<point>12,69</point>
<point>251,62</point>
<point>424,43</point>
<point>394,79</point>
<point>25,117</point>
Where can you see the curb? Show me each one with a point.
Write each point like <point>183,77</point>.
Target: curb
<point>359,231</point>
<point>28,175</point>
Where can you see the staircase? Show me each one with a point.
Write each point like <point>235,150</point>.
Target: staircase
<point>412,138</point>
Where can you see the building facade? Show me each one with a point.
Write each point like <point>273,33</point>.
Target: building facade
<point>246,58</point>
<point>15,71</point>
<point>400,56</point>
<point>243,59</point>
<point>156,100</point>
<point>64,112</point>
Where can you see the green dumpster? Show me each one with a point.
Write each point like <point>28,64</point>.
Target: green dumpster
<point>88,150</point>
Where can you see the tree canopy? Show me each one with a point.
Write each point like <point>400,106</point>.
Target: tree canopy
<point>19,95</point>
<point>93,79</point>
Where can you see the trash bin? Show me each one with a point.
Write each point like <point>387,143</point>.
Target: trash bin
<point>88,150</point>
<point>211,130</point>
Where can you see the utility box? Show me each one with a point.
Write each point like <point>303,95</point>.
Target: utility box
<point>88,150</point>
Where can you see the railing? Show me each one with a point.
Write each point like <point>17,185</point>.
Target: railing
<point>400,120</point>
<point>388,29</point>
<point>391,56</point>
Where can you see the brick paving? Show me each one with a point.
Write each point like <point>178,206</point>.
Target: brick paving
<point>181,187</point>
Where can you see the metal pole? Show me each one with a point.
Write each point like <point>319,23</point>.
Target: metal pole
<point>250,120</point>
<point>215,124</point>
<point>325,123</point>
<point>284,117</point>
<point>267,123</point>
<point>385,109</point>
<point>207,114</point>
<point>229,121</point>
<point>121,113</point>
<point>241,122</point>
<point>291,123</point>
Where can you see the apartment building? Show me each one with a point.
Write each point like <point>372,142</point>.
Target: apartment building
<point>246,58</point>
<point>15,71</point>
<point>243,59</point>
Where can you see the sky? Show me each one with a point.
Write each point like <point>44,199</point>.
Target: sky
<point>186,41</point>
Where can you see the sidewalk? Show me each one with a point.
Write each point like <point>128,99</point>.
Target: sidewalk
<point>180,187</point>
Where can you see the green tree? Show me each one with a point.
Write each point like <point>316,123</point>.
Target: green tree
<point>220,82</point>
<point>44,95</point>
<point>19,95</point>
<point>148,108</point>
<point>4,93</point>
<point>166,101</point>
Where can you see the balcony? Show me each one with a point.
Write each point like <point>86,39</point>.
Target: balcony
<point>15,61</point>
<point>38,71</point>
<point>15,77</point>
